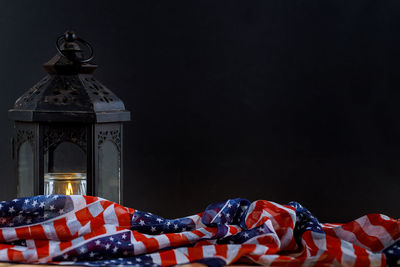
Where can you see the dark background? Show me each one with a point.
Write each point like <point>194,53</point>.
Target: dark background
<point>277,100</point>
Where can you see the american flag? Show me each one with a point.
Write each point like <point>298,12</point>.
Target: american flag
<point>85,230</point>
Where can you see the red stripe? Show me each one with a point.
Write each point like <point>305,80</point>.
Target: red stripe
<point>308,239</point>
<point>221,250</point>
<point>362,257</point>
<point>372,242</point>
<point>151,244</point>
<point>105,203</point>
<point>124,219</point>
<point>37,232</point>
<point>176,240</point>
<point>334,248</point>
<point>90,199</point>
<point>42,248</point>
<point>15,255</point>
<point>64,245</point>
<point>96,231</point>
<point>195,253</point>
<point>83,216</point>
<point>168,258</point>
<point>2,237</point>
<point>62,230</point>
<point>392,226</point>
<point>23,232</point>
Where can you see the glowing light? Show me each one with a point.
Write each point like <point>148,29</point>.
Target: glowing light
<point>69,190</point>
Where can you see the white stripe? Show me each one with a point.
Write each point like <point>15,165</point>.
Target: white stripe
<point>348,236</point>
<point>162,240</point>
<point>232,253</point>
<point>29,254</point>
<point>85,229</point>
<point>375,258</point>
<point>156,258</point>
<point>9,234</point>
<point>95,208</point>
<point>348,256</point>
<point>73,224</point>
<point>79,202</point>
<point>180,255</point>
<point>208,251</point>
<point>109,215</point>
<point>50,231</point>
<point>4,255</point>
<point>376,231</point>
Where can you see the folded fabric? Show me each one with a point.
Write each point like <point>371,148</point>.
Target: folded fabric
<point>84,230</point>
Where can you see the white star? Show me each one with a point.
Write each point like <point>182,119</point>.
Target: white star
<point>1,206</point>
<point>34,203</point>
<point>111,238</point>
<point>52,207</point>
<point>153,229</point>
<point>123,236</point>
<point>261,230</point>
<point>228,215</point>
<point>229,205</point>
<point>10,224</point>
<point>97,242</point>
<point>168,223</point>
<point>119,243</point>
<point>41,204</point>
<point>115,249</point>
<point>65,256</point>
<point>141,222</point>
<point>147,215</point>
<point>2,220</point>
<point>159,220</point>
<point>82,250</point>
<point>138,259</point>
<point>238,205</point>
<point>29,220</point>
<point>107,246</point>
<point>183,229</point>
<point>45,216</point>
<point>175,226</point>
<point>219,215</point>
<point>91,254</point>
<point>11,209</point>
<point>15,200</point>
<point>20,217</point>
<point>61,211</point>
<point>26,201</point>
<point>246,235</point>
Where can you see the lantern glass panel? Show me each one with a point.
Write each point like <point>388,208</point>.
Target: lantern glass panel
<point>109,171</point>
<point>65,170</point>
<point>25,170</point>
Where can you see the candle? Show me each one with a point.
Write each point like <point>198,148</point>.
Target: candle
<point>65,183</point>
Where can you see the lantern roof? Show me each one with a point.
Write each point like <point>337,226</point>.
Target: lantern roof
<point>69,93</point>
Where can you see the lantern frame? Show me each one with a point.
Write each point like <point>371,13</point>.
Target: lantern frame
<point>69,105</point>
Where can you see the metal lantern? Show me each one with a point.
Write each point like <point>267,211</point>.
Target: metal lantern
<point>68,129</point>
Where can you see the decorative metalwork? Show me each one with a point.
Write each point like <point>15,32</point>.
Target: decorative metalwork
<point>53,136</point>
<point>24,135</point>
<point>113,135</point>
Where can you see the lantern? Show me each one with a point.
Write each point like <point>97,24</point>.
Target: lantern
<point>68,129</point>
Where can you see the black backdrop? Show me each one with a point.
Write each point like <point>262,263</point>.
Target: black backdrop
<point>276,100</point>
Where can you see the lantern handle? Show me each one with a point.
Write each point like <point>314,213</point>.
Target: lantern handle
<point>70,36</point>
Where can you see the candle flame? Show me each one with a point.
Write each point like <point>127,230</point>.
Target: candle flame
<point>69,190</point>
